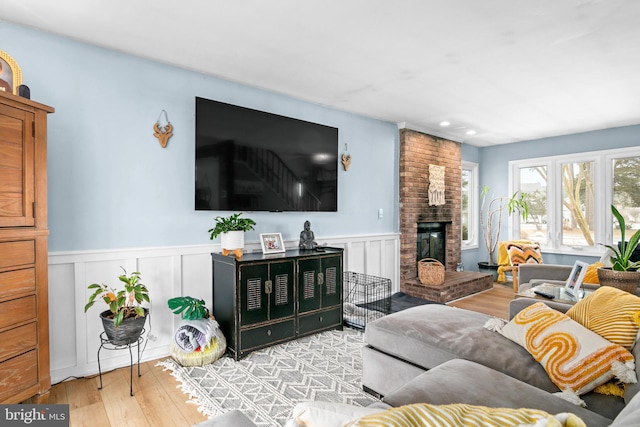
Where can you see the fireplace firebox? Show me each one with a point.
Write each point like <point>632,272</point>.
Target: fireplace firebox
<point>432,240</point>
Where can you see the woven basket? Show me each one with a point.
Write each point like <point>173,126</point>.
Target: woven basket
<point>625,280</point>
<point>430,271</point>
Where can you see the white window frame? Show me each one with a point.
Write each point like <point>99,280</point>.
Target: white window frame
<point>603,194</point>
<point>474,194</point>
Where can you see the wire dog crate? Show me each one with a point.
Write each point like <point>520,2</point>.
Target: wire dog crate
<point>366,298</point>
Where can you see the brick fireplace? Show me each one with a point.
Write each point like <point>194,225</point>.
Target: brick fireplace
<point>417,152</point>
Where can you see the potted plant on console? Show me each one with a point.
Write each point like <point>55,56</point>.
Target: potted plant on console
<point>231,230</point>
<point>124,320</point>
<point>495,207</point>
<point>623,273</point>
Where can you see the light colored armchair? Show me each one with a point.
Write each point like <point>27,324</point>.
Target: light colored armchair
<point>514,253</point>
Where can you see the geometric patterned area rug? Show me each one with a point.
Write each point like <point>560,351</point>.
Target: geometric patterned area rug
<point>268,383</point>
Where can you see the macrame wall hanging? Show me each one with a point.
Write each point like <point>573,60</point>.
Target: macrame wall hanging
<point>163,133</point>
<point>436,185</point>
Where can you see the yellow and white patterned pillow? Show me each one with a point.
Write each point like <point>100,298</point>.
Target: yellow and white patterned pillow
<point>576,359</point>
<point>609,312</point>
<point>425,415</point>
<point>521,253</point>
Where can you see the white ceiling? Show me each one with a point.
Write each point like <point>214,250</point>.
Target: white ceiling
<point>511,70</point>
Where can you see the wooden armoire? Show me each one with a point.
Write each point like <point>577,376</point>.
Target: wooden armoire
<point>24,314</point>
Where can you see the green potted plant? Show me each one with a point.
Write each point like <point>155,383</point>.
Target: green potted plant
<point>125,318</point>
<point>623,272</point>
<point>231,230</point>
<point>189,308</point>
<point>492,223</point>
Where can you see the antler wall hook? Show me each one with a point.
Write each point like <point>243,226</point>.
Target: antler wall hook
<point>346,157</point>
<point>163,133</point>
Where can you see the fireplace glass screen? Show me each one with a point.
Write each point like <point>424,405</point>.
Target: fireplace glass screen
<point>431,241</point>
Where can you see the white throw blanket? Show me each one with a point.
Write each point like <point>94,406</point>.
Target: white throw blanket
<point>194,334</point>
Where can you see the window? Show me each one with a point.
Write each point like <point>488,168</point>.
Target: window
<point>570,198</point>
<point>626,192</point>
<point>470,193</point>
<point>533,182</point>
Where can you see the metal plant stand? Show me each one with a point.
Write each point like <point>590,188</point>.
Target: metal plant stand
<point>108,345</point>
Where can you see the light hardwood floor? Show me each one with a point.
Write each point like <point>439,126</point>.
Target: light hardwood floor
<point>157,402</point>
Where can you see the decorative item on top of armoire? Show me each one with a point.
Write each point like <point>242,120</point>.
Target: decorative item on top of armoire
<point>623,273</point>
<point>10,74</point>
<point>436,185</point>
<point>163,133</point>
<point>24,91</point>
<point>346,158</point>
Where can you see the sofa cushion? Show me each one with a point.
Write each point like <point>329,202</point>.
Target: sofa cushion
<point>327,414</point>
<point>462,381</point>
<point>234,418</point>
<point>521,253</point>
<point>575,358</point>
<point>630,415</point>
<point>591,275</point>
<point>454,415</point>
<point>611,313</point>
<point>429,335</point>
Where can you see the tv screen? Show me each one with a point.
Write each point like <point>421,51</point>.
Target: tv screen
<point>250,160</point>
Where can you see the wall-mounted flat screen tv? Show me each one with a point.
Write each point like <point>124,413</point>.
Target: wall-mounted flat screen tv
<point>250,160</point>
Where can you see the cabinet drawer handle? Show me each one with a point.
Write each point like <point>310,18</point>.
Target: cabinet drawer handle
<point>268,332</point>
<point>320,319</point>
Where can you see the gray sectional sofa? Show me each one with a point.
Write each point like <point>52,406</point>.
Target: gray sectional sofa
<point>440,355</point>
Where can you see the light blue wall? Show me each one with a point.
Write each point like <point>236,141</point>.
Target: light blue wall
<point>111,185</point>
<point>494,166</point>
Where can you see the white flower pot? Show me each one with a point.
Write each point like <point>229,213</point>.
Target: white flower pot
<point>232,240</point>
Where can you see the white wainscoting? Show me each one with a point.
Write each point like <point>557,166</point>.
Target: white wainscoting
<point>167,272</point>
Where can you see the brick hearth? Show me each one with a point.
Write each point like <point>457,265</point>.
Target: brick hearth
<point>417,152</point>
<point>456,285</point>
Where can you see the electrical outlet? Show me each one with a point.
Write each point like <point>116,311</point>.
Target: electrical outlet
<point>152,337</point>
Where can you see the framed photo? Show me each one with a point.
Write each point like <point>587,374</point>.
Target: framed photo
<point>10,74</point>
<point>575,278</point>
<point>271,243</point>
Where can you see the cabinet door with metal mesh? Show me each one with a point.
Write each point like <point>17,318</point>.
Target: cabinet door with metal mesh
<point>332,281</point>
<point>281,299</point>
<point>254,299</point>
<point>308,292</point>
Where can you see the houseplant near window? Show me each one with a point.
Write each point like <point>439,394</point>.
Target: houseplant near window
<point>492,223</point>
<point>124,320</point>
<point>231,231</point>
<point>623,273</point>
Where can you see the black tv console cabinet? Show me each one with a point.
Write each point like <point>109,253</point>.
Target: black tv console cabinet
<point>261,300</point>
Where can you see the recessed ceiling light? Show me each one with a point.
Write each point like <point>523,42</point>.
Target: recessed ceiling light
<point>471,132</point>
<point>444,124</point>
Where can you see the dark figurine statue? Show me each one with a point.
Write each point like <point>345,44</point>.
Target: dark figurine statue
<point>307,237</point>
